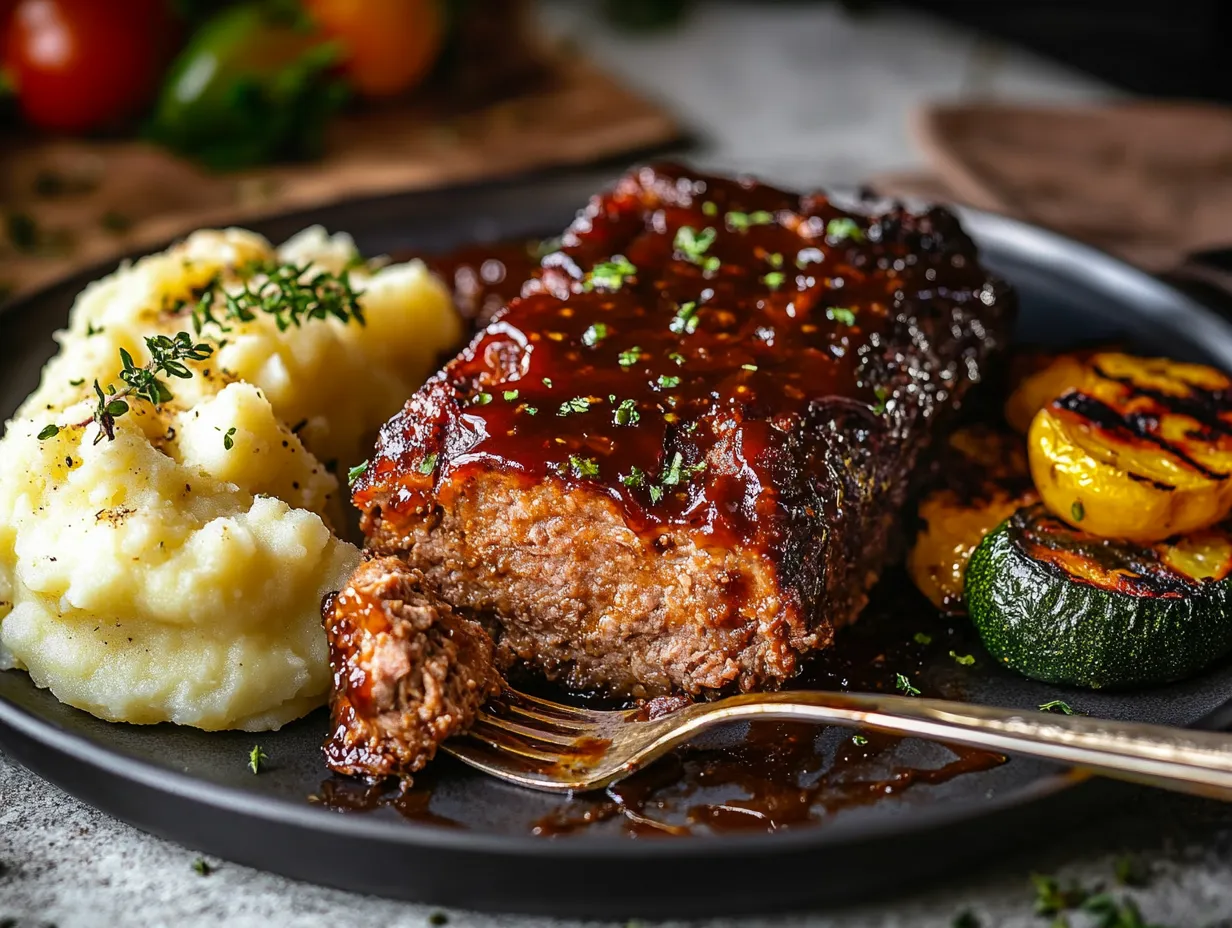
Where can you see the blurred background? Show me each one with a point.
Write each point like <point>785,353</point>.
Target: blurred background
<point>124,122</point>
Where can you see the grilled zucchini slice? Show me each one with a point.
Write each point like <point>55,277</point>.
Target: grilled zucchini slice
<point>983,478</point>
<point>1141,449</point>
<point>1068,607</point>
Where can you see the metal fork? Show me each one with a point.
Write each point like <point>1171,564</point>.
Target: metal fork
<point>548,746</point>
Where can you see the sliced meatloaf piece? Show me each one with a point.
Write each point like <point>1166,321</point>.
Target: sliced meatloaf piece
<point>409,672</point>
<point>677,462</point>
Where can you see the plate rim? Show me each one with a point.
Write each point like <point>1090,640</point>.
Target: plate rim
<point>1021,238</point>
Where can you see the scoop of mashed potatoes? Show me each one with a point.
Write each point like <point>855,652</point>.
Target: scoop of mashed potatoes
<point>175,572</point>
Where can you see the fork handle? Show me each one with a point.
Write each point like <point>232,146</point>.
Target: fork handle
<point>1197,762</point>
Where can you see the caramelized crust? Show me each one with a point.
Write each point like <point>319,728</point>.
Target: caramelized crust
<point>676,462</point>
<point>409,672</point>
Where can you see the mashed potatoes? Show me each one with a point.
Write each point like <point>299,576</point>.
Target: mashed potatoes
<point>175,573</point>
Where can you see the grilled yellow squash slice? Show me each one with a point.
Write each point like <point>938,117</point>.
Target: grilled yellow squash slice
<point>1041,380</point>
<point>982,480</point>
<point>1138,448</point>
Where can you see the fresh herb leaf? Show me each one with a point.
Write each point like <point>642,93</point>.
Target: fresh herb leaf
<point>965,659</point>
<point>481,399</point>
<point>841,314</point>
<point>610,275</point>
<point>656,493</point>
<point>740,222</point>
<point>630,356</point>
<point>256,758</point>
<point>881,395</point>
<point>167,357</point>
<point>428,464</point>
<point>1078,511</point>
<point>678,472</point>
<point>583,467</point>
<point>532,410</point>
<point>77,383</point>
<point>594,334</point>
<point>356,472</point>
<point>228,440</point>
<point>903,685</point>
<point>775,260</point>
<point>676,358</point>
<point>510,395</point>
<point>1051,898</point>
<point>711,264</point>
<point>838,230</point>
<point>1059,706</point>
<point>635,478</point>
<point>748,367</point>
<point>774,279</point>
<point>291,293</point>
<point>202,867</point>
<point>859,740</point>
<point>922,638</point>
<point>49,431</point>
<point>667,381</point>
<point>692,244</point>
<point>577,404</point>
<point>547,382</point>
<point>686,320</point>
<point>626,413</point>
<point>710,208</point>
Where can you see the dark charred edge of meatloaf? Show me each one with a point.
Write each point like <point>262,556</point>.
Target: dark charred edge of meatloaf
<point>409,672</point>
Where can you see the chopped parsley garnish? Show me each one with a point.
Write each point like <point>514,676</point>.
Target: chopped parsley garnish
<point>882,395</point>
<point>626,413</point>
<point>635,478</point>
<point>904,686</point>
<point>532,410</point>
<point>965,659</point>
<point>740,222</point>
<point>686,320</point>
<point>356,472</point>
<point>256,757</point>
<point>1078,511</point>
<point>547,382</point>
<point>481,399</point>
<point>656,494</point>
<point>49,431</point>
<point>693,244</point>
<point>710,208</point>
<point>595,334</point>
<point>841,314</point>
<point>228,440</point>
<point>77,383</point>
<point>202,867</point>
<point>428,464</point>
<point>838,230</point>
<point>678,472</point>
<point>677,358</point>
<point>922,638</point>
<point>284,291</point>
<point>577,404</point>
<point>667,382</point>
<point>630,356</point>
<point>859,740</point>
<point>711,264</point>
<point>510,395</point>
<point>583,467</point>
<point>775,260</point>
<point>1060,706</point>
<point>92,329</point>
<point>610,275</point>
<point>774,279</point>
<point>748,367</point>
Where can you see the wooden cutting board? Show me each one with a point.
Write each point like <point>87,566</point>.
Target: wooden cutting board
<point>71,202</point>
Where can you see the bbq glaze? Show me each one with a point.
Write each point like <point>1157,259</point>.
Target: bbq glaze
<point>669,353</point>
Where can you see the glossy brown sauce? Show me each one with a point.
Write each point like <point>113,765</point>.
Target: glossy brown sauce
<point>779,775</point>
<point>673,345</point>
<point>483,278</point>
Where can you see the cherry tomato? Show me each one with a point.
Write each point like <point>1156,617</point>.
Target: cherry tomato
<point>80,65</point>
<point>389,45</point>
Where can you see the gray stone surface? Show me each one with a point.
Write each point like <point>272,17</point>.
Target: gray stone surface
<point>800,94</point>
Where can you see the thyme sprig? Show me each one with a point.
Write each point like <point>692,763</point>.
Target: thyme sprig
<point>288,292</point>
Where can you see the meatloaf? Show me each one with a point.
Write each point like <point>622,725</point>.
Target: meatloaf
<point>676,463</point>
<point>409,672</point>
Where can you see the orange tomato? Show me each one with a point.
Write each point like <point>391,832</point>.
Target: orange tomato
<point>389,45</point>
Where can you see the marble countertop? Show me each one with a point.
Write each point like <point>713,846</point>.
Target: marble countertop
<point>801,94</point>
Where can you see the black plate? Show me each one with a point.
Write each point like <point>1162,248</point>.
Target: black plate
<point>194,787</point>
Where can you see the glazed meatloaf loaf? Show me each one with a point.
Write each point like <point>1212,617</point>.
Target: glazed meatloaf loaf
<point>676,462</point>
